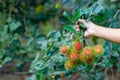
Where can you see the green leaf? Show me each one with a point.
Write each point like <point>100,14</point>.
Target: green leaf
<point>9,19</point>
<point>5,30</point>
<point>34,62</point>
<point>85,10</point>
<point>77,15</point>
<point>115,53</point>
<point>7,59</point>
<point>70,28</point>
<point>56,58</point>
<point>96,8</point>
<point>38,77</point>
<point>40,65</point>
<point>15,25</point>
<point>67,16</point>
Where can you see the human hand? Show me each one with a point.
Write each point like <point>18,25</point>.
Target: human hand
<point>89,25</point>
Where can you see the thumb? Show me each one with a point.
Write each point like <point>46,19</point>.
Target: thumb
<point>88,33</point>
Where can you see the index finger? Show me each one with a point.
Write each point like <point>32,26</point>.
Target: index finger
<point>81,21</point>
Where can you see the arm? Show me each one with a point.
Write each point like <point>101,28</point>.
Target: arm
<point>107,33</point>
<point>99,31</point>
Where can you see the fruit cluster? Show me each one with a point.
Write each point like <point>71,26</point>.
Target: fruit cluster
<point>78,54</point>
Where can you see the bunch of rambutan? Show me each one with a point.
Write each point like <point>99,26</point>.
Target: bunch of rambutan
<point>78,54</point>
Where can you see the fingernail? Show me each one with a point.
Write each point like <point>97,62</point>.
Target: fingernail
<point>77,26</point>
<point>77,29</point>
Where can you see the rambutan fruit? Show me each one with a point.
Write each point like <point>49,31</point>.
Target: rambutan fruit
<point>86,54</point>
<point>74,56</point>
<point>77,45</point>
<point>97,50</point>
<point>64,49</point>
<point>69,65</point>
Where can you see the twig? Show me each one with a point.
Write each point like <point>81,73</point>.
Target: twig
<point>93,67</point>
<point>22,73</point>
<point>113,78</point>
<point>116,13</point>
<point>105,72</point>
<point>10,11</point>
<point>25,23</point>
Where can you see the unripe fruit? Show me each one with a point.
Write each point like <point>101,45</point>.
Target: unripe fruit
<point>39,9</point>
<point>57,6</point>
<point>64,49</point>
<point>77,45</point>
<point>74,56</point>
<point>98,50</point>
<point>69,65</point>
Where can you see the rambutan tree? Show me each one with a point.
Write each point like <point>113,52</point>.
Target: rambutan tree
<point>91,64</point>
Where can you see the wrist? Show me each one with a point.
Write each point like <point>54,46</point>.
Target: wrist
<point>96,30</point>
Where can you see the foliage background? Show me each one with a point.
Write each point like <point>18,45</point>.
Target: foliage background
<point>31,33</point>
